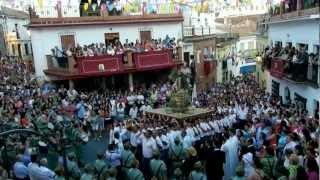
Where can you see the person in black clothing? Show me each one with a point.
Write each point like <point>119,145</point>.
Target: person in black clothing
<point>191,159</point>
<point>215,159</point>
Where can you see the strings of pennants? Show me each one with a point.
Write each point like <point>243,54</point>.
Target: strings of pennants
<point>132,6</point>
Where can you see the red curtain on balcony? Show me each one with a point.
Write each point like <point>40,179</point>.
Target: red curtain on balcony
<point>277,67</point>
<point>207,67</point>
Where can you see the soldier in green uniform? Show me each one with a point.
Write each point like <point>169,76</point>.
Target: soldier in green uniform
<point>127,158</point>
<point>59,173</point>
<point>134,173</point>
<point>197,173</point>
<point>88,173</point>
<point>112,174</point>
<point>176,154</point>
<point>72,166</point>
<point>100,166</point>
<point>157,167</point>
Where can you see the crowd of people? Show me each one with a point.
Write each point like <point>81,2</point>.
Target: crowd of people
<point>114,48</point>
<point>298,62</point>
<point>249,134</point>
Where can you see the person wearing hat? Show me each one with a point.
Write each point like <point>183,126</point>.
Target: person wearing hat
<point>191,159</point>
<point>88,173</point>
<point>158,168</point>
<point>134,173</point>
<point>197,173</point>
<point>100,165</point>
<point>126,158</point>
<point>59,173</point>
<point>176,153</point>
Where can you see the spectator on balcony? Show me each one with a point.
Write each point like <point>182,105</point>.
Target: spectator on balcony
<point>313,62</point>
<point>85,51</point>
<point>119,49</point>
<point>79,50</point>
<point>110,50</point>
<point>91,51</point>
<point>148,46</point>
<point>126,44</point>
<point>138,46</point>
<point>54,58</point>
<point>61,57</point>
<point>118,7</point>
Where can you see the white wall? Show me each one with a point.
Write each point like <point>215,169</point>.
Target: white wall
<point>304,31</point>
<point>12,38</point>
<point>21,27</point>
<point>44,39</point>
<point>305,91</point>
<point>245,41</point>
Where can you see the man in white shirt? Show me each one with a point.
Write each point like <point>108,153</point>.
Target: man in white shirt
<point>39,172</point>
<point>145,107</point>
<point>133,112</point>
<point>187,141</point>
<point>149,145</point>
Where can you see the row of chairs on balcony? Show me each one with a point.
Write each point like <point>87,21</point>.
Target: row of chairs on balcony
<point>298,64</point>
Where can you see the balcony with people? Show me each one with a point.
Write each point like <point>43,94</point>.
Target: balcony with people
<point>290,9</point>
<point>115,58</point>
<point>108,11</point>
<point>293,63</point>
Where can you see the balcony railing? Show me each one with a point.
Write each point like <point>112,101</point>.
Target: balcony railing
<point>290,10</point>
<point>298,72</point>
<point>201,31</point>
<point>107,64</point>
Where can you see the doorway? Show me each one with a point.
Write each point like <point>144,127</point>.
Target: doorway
<point>67,41</point>
<point>144,36</point>
<point>275,88</point>
<point>316,109</point>
<point>19,51</point>
<point>186,58</point>
<point>111,38</point>
<point>300,100</point>
<point>287,96</point>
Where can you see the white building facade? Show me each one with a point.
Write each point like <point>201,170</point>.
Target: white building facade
<point>16,35</point>
<point>44,39</point>
<point>296,31</point>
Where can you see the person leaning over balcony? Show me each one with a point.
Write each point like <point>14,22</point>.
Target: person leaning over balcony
<point>60,55</point>
<point>85,51</point>
<point>110,50</point>
<point>119,49</point>
<point>148,46</point>
<point>138,46</point>
<point>313,61</point>
<point>79,50</point>
<point>53,58</point>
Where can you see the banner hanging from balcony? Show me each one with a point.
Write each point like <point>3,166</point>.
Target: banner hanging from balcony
<point>153,60</point>
<point>277,67</point>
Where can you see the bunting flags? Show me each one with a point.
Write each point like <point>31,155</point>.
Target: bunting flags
<point>40,3</point>
<point>85,6</point>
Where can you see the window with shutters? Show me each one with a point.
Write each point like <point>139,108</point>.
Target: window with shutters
<point>67,41</point>
<point>145,35</point>
<point>13,49</point>
<point>26,48</point>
